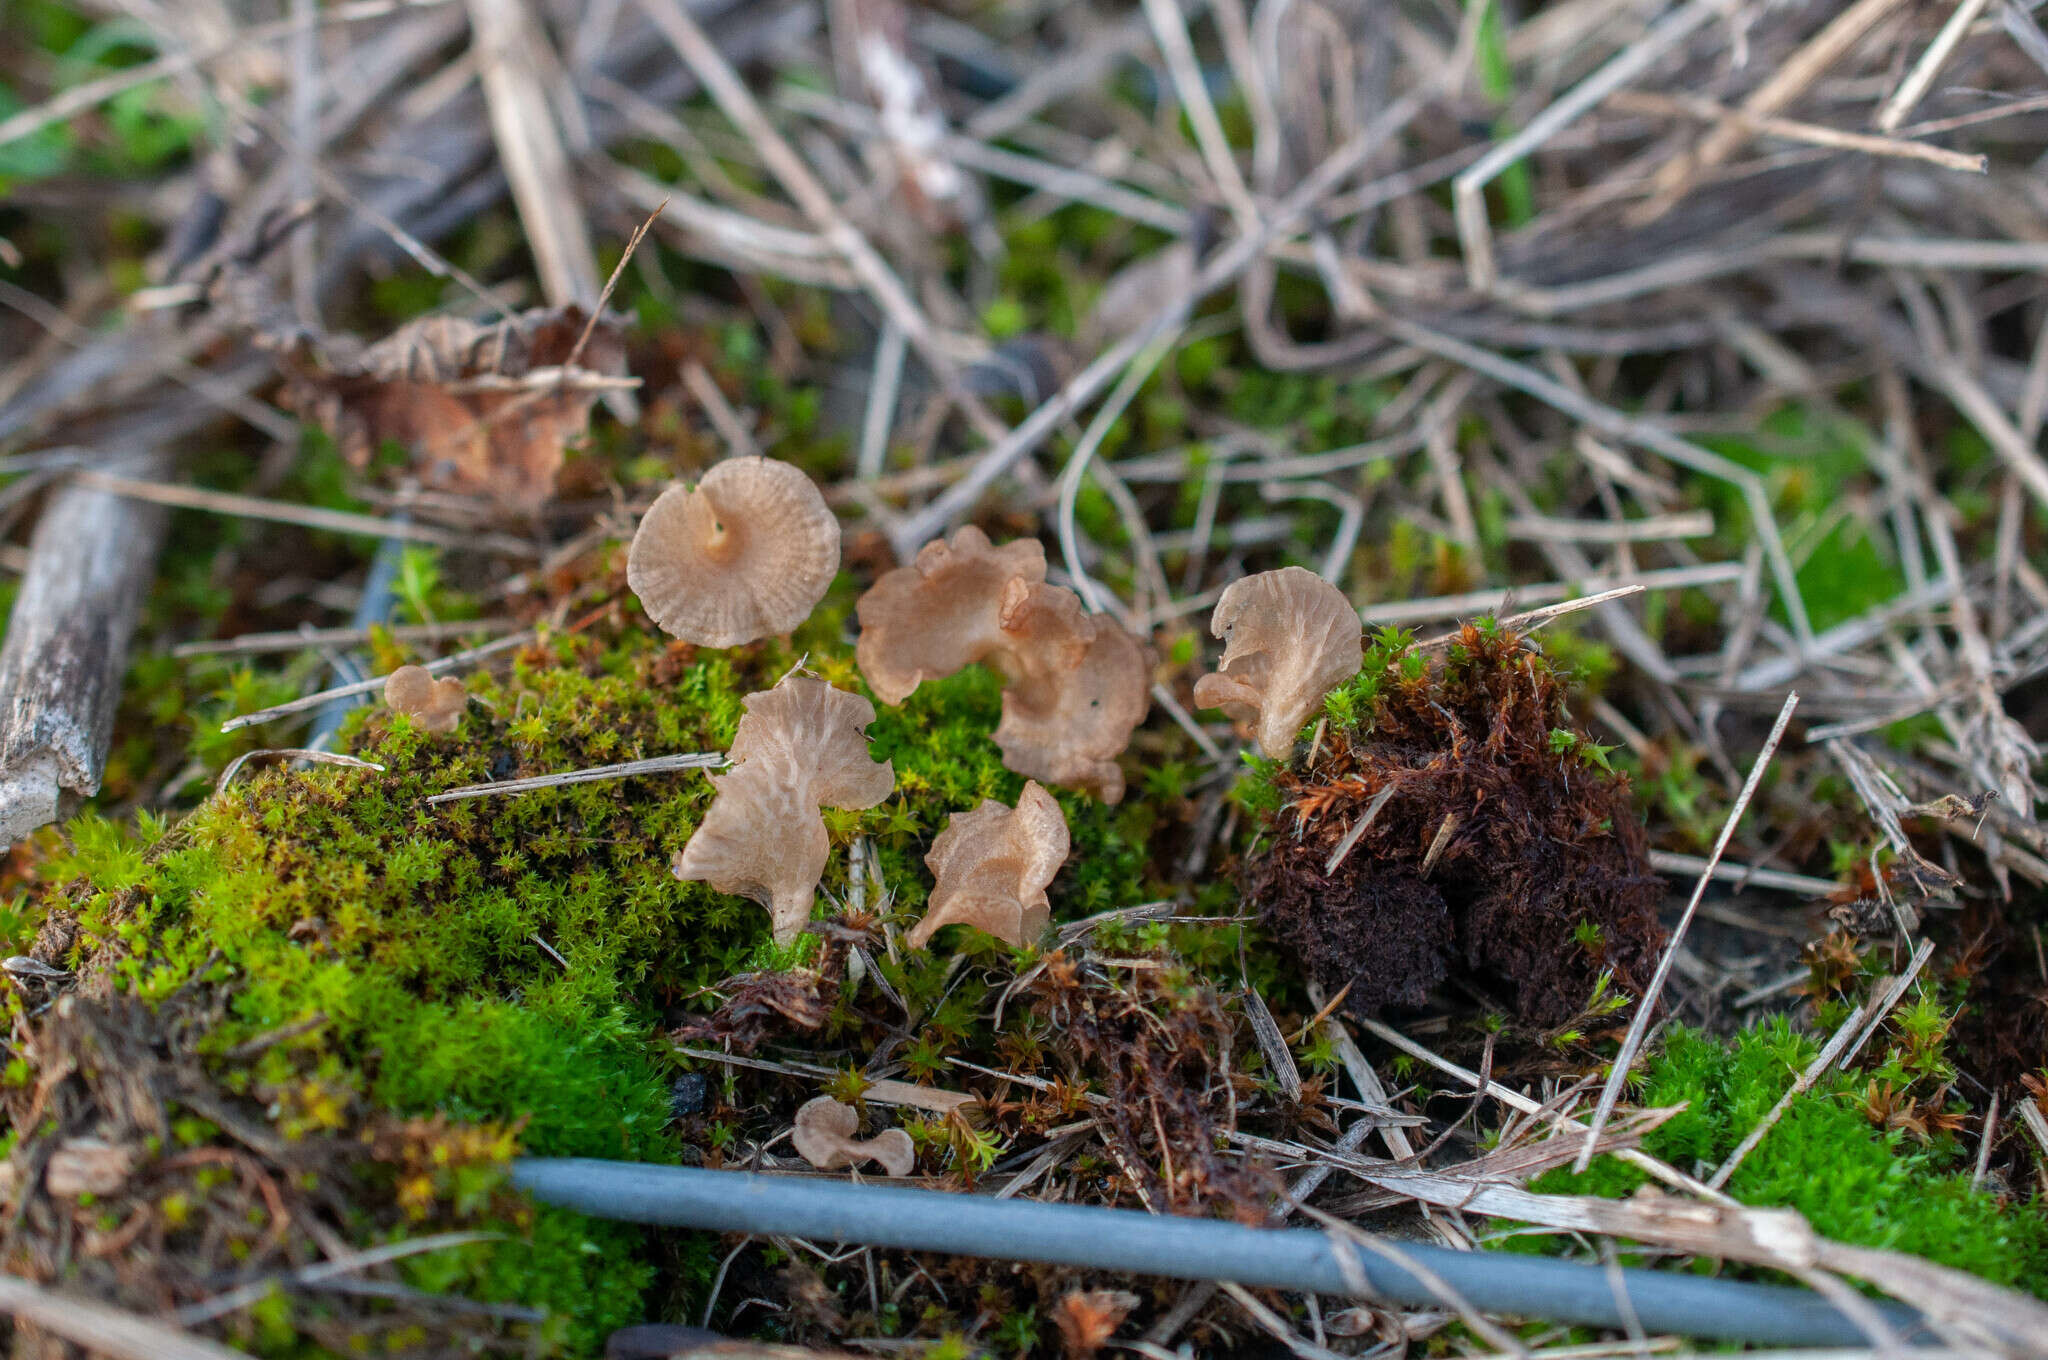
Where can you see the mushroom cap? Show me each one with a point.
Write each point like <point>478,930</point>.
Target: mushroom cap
<point>927,620</point>
<point>992,867</point>
<point>1290,637</point>
<point>1083,686</point>
<point>821,732</point>
<point>745,554</point>
<point>436,704</point>
<point>762,839</point>
<point>827,1136</point>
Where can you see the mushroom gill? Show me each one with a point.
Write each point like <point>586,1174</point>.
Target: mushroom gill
<point>801,745</point>
<point>1076,685</point>
<point>745,554</point>
<point>1290,637</point>
<point>992,867</point>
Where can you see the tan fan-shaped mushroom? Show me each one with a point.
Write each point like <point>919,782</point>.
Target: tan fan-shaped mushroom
<point>762,839</point>
<point>827,1135</point>
<point>1076,685</point>
<point>822,729</point>
<point>745,554</point>
<point>1290,637</point>
<point>436,705</point>
<point>1079,686</point>
<point>801,745</point>
<point>940,613</point>
<point>992,866</point>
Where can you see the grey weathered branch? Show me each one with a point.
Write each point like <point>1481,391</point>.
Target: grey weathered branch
<point>67,643</point>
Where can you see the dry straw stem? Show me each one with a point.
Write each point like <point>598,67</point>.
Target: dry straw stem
<point>1223,268</point>
<point>738,104</point>
<point>696,760</point>
<point>350,690</point>
<point>110,1332</point>
<point>1787,83</point>
<point>310,516</point>
<point>89,94</point>
<point>1646,1005</point>
<point>511,59</point>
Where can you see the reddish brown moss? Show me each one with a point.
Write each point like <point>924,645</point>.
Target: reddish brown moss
<point>1507,854</point>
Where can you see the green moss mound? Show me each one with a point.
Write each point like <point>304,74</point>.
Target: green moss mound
<point>1853,1181</point>
<point>512,960</point>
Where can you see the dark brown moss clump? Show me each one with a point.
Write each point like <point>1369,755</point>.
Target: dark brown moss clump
<point>1505,849</point>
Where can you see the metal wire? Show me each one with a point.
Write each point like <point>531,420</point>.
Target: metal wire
<point>1193,1249</point>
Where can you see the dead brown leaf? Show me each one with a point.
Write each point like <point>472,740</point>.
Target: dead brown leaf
<point>484,410</point>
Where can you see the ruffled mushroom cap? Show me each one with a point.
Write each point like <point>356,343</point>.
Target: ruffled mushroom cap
<point>800,746</point>
<point>745,554</point>
<point>820,729</point>
<point>992,867</point>
<point>942,612</point>
<point>436,705</point>
<point>827,1136</point>
<point>1080,685</point>
<point>1290,637</point>
<point>1076,685</point>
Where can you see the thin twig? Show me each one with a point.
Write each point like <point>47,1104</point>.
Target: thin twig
<point>1646,1005</point>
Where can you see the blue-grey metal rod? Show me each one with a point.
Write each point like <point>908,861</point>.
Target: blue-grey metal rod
<point>1188,1248</point>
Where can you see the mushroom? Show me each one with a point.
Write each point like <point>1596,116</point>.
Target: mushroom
<point>745,554</point>
<point>1076,684</point>
<point>436,705</point>
<point>1079,687</point>
<point>940,613</point>
<point>826,1137</point>
<point>992,865</point>
<point>1290,637</point>
<point>800,746</point>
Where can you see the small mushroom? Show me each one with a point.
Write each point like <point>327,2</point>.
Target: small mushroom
<point>745,554</point>
<point>1079,687</point>
<point>942,612</point>
<point>1290,637</point>
<point>992,866</point>
<point>801,745</point>
<point>436,705</point>
<point>826,1136</point>
<point>1077,684</point>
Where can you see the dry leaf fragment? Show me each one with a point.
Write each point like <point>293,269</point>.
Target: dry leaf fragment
<point>1088,1318</point>
<point>1077,684</point>
<point>992,867</point>
<point>745,554</point>
<point>827,1136</point>
<point>88,1166</point>
<point>484,409</point>
<point>1290,637</point>
<point>435,704</point>
<point>801,745</point>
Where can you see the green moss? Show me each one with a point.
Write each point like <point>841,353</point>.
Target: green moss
<point>413,941</point>
<point>1853,1181</point>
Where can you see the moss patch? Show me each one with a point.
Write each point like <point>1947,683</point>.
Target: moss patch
<point>510,961</point>
<point>1852,1180</point>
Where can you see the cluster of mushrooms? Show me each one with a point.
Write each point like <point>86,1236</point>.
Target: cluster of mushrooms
<point>750,550</point>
